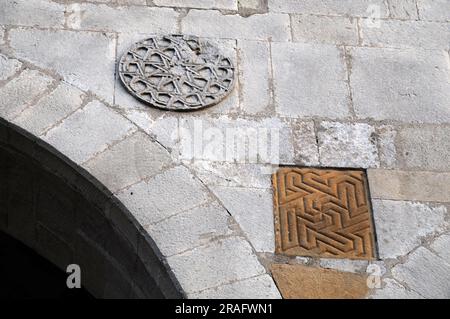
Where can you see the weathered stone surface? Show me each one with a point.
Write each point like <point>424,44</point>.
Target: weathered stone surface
<point>122,19</point>
<point>401,85</point>
<point>88,131</point>
<point>249,7</point>
<point>441,247</point>
<point>346,265</point>
<point>219,263</point>
<point>347,145</point>
<point>50,109</point>
<point>22,91</point>
<point>261,287</point>
<point>435,10</point>
<point>320,88</point>
<point>403,9</point>
<point>401,225</point>
<point>131,160</point>
<point>305,145</point>
<point>201,4</point>
<point>164,195</point>
<point>322,213</point>
<point>190,229</point>
<point>240,140</point>
<point>161,128</point>
<point>231,174</point>
<point>254,76</point>
<point>425,273</point>
<point>424,148</point>
<point>406,34</point>
<point>362,8</point>
<point>394,290</point>
<point>302,282</point>
<point>252,209</point>
<point>323,29</point>
<point>409,185</point>
<point>386,146</point>
<point>84,59</point>
<point>8,67</point>
<point>257,27</point>
<point>40,13</point>
<point>2,35</point>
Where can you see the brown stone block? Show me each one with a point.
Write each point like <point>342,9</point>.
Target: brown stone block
<point>302,282</point>
<point>322,213</point>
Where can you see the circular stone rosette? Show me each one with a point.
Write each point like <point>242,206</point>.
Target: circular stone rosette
<point>176,72</point>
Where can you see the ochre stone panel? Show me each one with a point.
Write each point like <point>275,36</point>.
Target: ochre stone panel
<point>322,213</point>
<point>302,282</point>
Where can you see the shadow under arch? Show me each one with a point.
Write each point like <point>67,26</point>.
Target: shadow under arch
<point>67,216</point>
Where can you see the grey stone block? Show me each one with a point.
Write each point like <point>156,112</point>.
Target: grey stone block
<point>2,35</point>
<point>40,13</point>
<point>200,4</point>
<point>164,195</point>
<point>347,145</point>
<point>249,7</point>
<point>8,67</point>
<point>440,247</point>
<point>425,273</point>
<point>305,144</point>
<point>346,265</point>
<point>164,129</point>
<point>253,210</point>
<point>84,59</point>
<point>323,29</point>
<point>121,19</point>
<point>362,8</point>
<point>409,185</point>
<point>256,27</point>
<point>88,131</point>
<point>233,174</point>
<point>51,109</point>
<point>387,150</point>
<point>21,91</point>
<point>261,287</point>
<point>435,10</point>
<point>190,229</point>
<point>401,225</point>
<point>424,148</point>
<point>405,34</point>
<point>401,85</point>
<point>240,140</point>
<point>393,290</point>
<point>254,76</point>
<point>219,263</point>
<point>403,9</point>
<point>131,160</point>
<point>304,85</point>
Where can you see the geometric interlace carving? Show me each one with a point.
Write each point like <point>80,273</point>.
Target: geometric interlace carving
<point>176,72</point>
<point>322,212</point>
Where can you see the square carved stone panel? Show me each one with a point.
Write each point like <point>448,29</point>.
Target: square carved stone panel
<point>322,213</point>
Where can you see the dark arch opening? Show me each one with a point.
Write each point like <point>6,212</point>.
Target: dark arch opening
<point>63,214</point>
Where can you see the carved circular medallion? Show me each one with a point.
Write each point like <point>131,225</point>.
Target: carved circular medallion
<point>176,72</point>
